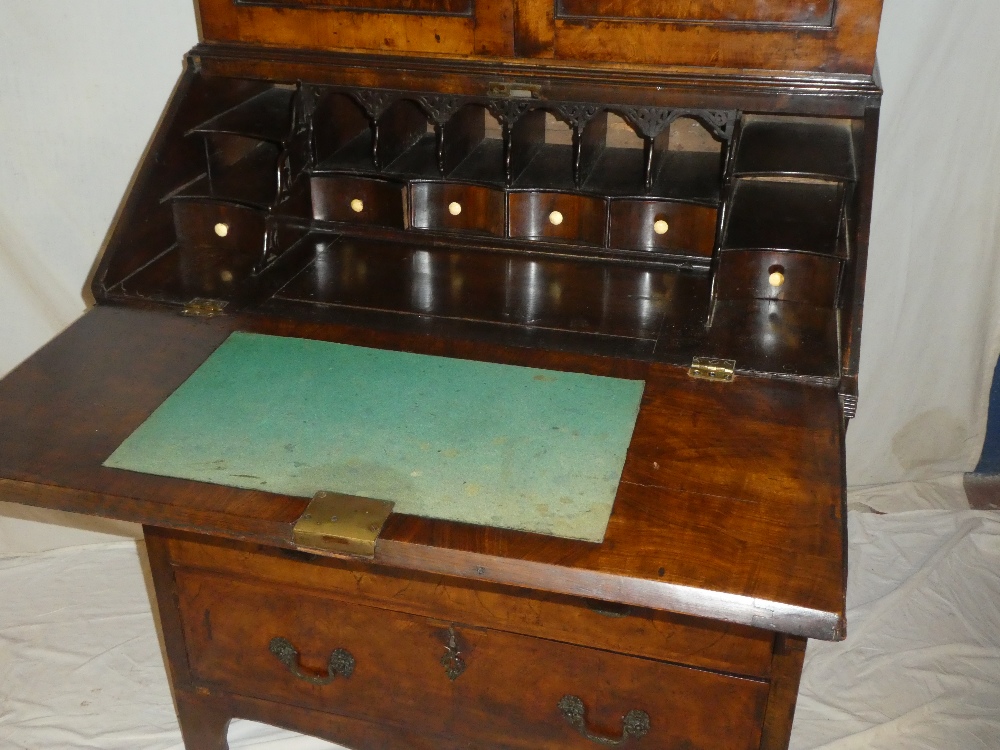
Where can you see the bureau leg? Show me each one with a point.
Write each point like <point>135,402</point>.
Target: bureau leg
<point>786,669</point>
<point>204,719</point>
<point>204,724</point>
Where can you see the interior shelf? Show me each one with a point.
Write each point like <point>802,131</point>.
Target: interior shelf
<point>801,215</point>
<point>795,147</point>
<point>250,181</point>
<point>265,117</point>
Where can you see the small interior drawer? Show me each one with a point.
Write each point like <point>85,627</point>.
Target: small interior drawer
<point>557,216</point>
<point>231,228</point>
<point>663,226</point>
<point>359,200</point>
<point>774,275</point>
<point>458,207</point>
<point>445,679</point>
<point>220,245</point>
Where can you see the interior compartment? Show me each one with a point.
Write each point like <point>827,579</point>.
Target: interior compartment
<point>472,147</point>
<point>341,134</point>
<point>541,153</point>
<point>800,214</point>
<point>685,162</point>
<point>502,288</point>
<point>611,157</point>
<point>376,176</point>
<point>405,140</point>
<point>795,146</point>
<point>268,116</point>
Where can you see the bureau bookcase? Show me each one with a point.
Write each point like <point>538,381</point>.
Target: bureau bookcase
<point>672,192</point>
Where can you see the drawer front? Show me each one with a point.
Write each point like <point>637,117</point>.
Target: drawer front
<point>641,632</point>
<point>231,229</point>
<point>439,678</point>
<point>220,245</point>
<point>359,200</point>
<point>557,216</point>
<point>772,275</point>
<point>662,226</point>
<point>455,207</point>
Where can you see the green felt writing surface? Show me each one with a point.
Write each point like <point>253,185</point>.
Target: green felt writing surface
<point>496,445</point>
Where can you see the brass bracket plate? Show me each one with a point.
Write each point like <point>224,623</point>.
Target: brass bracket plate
<point>341,523</point>
<point>719,370</point>
<point>204,308</point>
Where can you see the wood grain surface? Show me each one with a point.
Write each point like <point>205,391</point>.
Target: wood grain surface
<point>730,505</point>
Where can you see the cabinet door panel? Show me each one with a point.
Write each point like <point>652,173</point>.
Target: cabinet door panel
<point>423,7</point>
<point>439,27</point>
<point>806,35</point>
<point>791,12</point>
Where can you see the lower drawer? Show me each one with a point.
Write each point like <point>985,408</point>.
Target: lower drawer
<point>438,678</point>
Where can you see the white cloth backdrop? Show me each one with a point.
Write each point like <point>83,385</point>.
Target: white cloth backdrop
<point>82,85</point>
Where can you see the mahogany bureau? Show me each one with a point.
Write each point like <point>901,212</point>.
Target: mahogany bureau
<point>672,191</point>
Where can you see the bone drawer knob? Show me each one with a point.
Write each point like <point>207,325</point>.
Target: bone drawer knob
<point>357,205</point>
<point>555,218</point>
<point>776,279</point>
<point>454,208</point>
<point>660,226</point>
<point>222,229</point>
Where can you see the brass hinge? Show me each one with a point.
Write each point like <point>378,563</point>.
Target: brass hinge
<point>342,523</point>
<point>706,368</point>
<point>204,308</point>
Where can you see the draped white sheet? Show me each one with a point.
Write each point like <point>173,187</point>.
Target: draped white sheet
<point>81,664</point>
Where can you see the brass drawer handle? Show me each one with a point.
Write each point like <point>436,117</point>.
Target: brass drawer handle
<point>634,724</point>
<point>341,662</point>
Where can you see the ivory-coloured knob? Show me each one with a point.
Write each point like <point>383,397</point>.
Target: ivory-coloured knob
<point>454,208</point>
<point>222,229</point>
<point>555,218</point>
<point>357,205</point>
<point>660,226</point>
<point>776,279</point>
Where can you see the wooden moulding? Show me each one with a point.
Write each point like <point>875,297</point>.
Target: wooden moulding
<point>796,92</point>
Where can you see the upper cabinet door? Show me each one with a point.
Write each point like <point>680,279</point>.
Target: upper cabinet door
<point>436,27</point>
<point>813,35</point>
<point>832,36</point>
